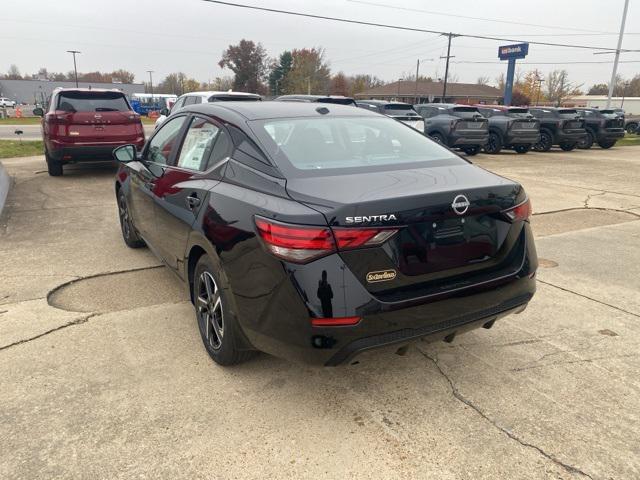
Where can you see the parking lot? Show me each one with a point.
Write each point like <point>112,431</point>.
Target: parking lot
<point>103,373</point>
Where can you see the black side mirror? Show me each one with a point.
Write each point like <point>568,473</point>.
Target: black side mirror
<point>165,112</point>
<point>38,112</point>
<point>125,153</point>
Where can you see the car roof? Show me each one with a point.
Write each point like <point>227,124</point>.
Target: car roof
<point>98,90</point>
<point>274,109</point>
<point>382,102</point>
<point>310,97</point>
<point>210,93</point>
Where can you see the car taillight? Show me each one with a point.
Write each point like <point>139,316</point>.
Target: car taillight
<point>520,212</point>
<point>302,243</point>
<point>58,117</point>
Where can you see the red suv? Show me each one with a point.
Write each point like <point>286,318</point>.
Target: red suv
<point>87,124</point>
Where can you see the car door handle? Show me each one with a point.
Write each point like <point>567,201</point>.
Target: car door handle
<point>193,201</point>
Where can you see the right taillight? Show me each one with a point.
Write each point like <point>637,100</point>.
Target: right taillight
<point>303,243</point>
<point>519,212</point>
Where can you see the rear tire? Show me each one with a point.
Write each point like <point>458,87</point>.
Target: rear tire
<point>545,142</point>
<point>54,167</point>
<point>129,234</point>
<point>494,145</point>
<point>438,138</point>
<point>567,147</point>
<point>471,151</point>
<point>632,128</point>
<point>587,141</point>
<point>522,148</point>
<point>217,322</point>
<point>607,143</point>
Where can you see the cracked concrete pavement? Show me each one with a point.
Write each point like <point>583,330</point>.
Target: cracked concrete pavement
<point>102,372</point>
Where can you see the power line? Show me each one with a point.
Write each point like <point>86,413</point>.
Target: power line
<point>408,29</point>
<point>510,22</point>
<point>544,63</point>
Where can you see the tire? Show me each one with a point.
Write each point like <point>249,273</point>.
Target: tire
<point>494,145</point>
<point>587,141</point>
<point>129,234</point>
<point>631,128</point>
<point>522,148</point>
<point>217,323</point>
<point>607,143</point>
<point>545,142</point>
<point>438,138</point>
<point>471,150</point>
<point>53,166</point>
<point>567,147</point>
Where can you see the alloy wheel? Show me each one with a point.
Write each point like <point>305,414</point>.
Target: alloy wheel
<point>209,307</point>
<point>123,212</point>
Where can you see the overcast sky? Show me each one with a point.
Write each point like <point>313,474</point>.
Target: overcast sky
<point>189,35</point>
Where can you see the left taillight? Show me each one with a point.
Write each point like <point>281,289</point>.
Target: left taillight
<point>519,212</point>
<point>303,243</point>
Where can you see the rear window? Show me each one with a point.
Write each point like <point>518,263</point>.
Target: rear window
<point>399,109</point>
<point>233,98</point>
<point>339,101</point>
<point>304,147</point>
<point>519,112</point>
<point>465,112</point>
<point>567,113</point>
<point>93,102</point>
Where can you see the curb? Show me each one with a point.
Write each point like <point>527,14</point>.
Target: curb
<point>5,183</point>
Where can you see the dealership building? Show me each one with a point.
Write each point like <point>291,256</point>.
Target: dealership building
<point>37,91</point>
<point>427,92</point>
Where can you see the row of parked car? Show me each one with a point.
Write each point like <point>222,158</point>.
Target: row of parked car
<point>472,128</point>
<point>88,123</point>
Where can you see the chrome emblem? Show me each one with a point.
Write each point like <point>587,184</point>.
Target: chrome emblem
<point>460,204</point>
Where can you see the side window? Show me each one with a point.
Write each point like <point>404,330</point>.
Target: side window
<point>197,100</point>
<point>165,141</point>
<point>190,100</point>
<point>198,144</point>
<point>179,104</point>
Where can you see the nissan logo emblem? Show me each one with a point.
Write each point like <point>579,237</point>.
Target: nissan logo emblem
<point>460,204</point>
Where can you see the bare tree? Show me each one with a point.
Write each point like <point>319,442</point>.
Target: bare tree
<point>559,87</point>
<point>483,80</point>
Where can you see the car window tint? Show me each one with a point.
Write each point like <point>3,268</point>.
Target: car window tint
<point>164,141</point>
<point>179,104</point>
<point>92,102</point>
<point>307,145</point>
<point>221,148</point>
<point>198,144</point>
<point>189,100</point>
<point>197,100</point>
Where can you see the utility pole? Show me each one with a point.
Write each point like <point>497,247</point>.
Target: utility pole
<point>309,85</point>
<point>151,82</point>
<point>446,68</point>
<point>417,75</point>
<point>615,62</point>
<point>75,68</point>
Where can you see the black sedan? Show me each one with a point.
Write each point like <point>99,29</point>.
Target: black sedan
<point>315,232</point>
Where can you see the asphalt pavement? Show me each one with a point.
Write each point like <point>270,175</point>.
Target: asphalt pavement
<point>103,374</point>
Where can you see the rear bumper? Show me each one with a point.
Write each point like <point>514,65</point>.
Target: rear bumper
<point>282,326</point>
<point>523,138</point>
<point>65,152</point>
<point>458,140</point>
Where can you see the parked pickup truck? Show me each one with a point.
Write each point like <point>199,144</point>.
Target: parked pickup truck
<point>456,126</point>
<point>403,112</point>
<point>558,126</point>
<point>604,127</point>
<point>510,127</point>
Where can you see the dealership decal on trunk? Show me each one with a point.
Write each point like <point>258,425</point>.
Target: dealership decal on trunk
<point>381,276</point>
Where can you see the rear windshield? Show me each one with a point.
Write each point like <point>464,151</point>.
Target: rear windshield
<point>93,102</point>
<point>568,113</point>
<point>519,112</point>
<point>399,109</point>
<point>233,98</point>
<point>465,112</point>
<point>339,101</point>
<point>304,147</point>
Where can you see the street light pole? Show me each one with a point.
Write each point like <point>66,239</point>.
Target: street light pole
<point>75,68</point>
<point>612,83</point>
<point>151,81</point>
